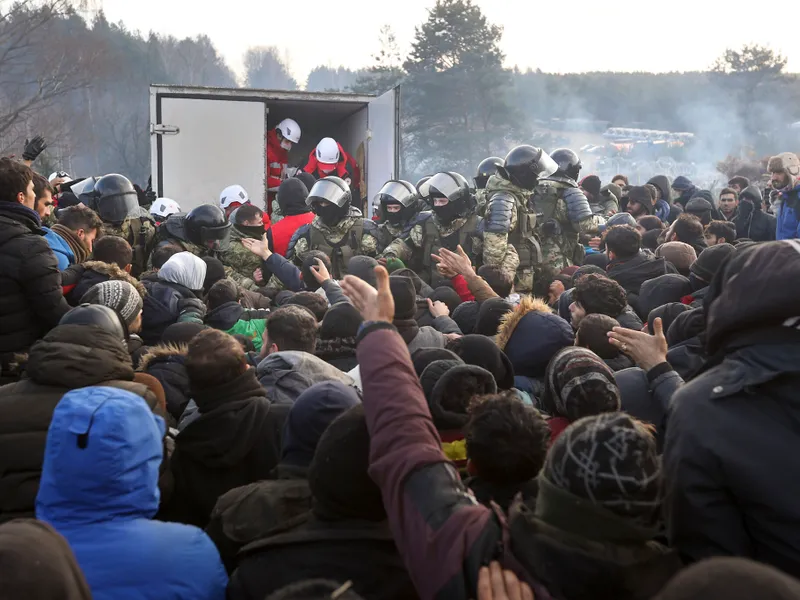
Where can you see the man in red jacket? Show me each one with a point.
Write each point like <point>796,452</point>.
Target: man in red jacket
<point>329,158</point>
<point>279,143</point>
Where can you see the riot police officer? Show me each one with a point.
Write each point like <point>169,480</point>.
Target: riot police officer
<point>400,208</point>
<point>339,229</point>
<point>486,169</point>
<point>115,199</point>
<point>569,165</point>
<point>510,220</point>
<point>204,231</point>
<point>454,222</point>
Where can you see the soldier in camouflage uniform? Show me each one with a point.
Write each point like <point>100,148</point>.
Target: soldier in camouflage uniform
<point>247,223</point>
<point>486,169</point>
<point>401,206</point>
<point>114,198</point>
<point>510,219</point>
<point>454,223</point>
<point>339,229</point>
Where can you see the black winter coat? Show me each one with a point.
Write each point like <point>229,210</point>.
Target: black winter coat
<point>162,307</point>
<point>730,459</point>
<point>31,300</point>
<point>338,352</point>
<point>166,363</point>
<point>350,550</point>
<point>754,223</point>
<point>632,273</point>
<point>69,357</point>
<point>236,440</point>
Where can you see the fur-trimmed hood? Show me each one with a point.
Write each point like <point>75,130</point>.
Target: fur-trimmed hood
<point>114,272</point>
<point>531,335</point>
<point>507,325</point>
<point>161,352</point>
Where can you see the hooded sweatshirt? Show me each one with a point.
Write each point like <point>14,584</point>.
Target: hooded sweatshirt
<point>185,269</point>
<point>286,375</point>
<point>99,489</point>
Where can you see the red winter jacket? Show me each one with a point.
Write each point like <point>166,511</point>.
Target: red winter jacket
<point>346,167</point>
<point>283,230</point>
<point>277,161</point>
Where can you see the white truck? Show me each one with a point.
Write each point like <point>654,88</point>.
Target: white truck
<point>204,139</point>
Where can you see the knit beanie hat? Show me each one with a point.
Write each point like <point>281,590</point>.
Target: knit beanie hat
<point>710,260</point>
<point>215,271</point>
<point>682,183</point>
<point>118,295</point>
<point>181,333</point>
<point>730,578</point>
<point>579,384</point>
<point>420,287</point>
<point>394,264</point>
<point>698,204</point>
<point>642,195</point>
<point>363,267</point>
<point>307,178</point>
<point>611,188</point>
<point>405,297</point>
<point>466,316</point>
<point>667,313</point>
<point>680,254</point>
<point>621,218</point>
<point>623,472</point>
<point>422,357</point>
<point>341,321</point>
<point>481,351</point>
<point>490,315</point>
<point>338,476</point>
<point>591,183</point>
<point>449,386</point>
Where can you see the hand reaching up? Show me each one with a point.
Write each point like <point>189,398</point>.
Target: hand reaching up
<point>374,305</point>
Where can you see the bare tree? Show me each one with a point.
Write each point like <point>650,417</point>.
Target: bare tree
<point>266,69</point>
<point>40,62</point>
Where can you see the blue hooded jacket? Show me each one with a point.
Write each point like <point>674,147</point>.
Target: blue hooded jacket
<point>788,219</point>
<point>60,248</point>
<point>99,489</point>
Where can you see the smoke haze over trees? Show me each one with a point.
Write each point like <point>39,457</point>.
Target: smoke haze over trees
<point>85,86</point>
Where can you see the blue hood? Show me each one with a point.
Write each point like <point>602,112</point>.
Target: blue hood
<point>101,461</point>
<point>60,248</point>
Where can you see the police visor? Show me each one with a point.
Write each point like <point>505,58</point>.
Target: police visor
<point>329,189</point>
<point>216,238</point>
<point>444,185</point>
<point>395,191</point>
<point>118,207</point>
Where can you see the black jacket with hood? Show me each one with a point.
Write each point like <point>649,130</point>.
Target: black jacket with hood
<point>165,362</point>
<point>663,185</point>
<point>234,441</point>
<point>632,273</point>
<point>31,300</point>
<point>79,279</point>
<point>734,431</point>
<point>751,221</point>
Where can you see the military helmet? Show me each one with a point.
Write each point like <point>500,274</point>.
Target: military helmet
<point>486,169</point>
<point>116,198</point>
<point>448,184</point>
<point>97,314</point>
<point>568,162</point>
<point>398,191</point>
<point>207,226</point>
<point>422,188</point>
<point>525,165</point>
<point>331,189</point>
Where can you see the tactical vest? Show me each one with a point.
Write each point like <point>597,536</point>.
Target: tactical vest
<point>432,241</point>
<point>140,233</point>
<point>545,204</point>
<point>525,238</point>
<point>341,252</point>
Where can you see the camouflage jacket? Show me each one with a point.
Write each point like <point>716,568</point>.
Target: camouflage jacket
<point>140,233</point>
<point>496,245</point>
<point>339,242</point>
<point>240,261</point>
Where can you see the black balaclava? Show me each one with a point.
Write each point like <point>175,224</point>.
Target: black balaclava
<point>449,212</point>
<point>329,213</point>
<point>395,218</point>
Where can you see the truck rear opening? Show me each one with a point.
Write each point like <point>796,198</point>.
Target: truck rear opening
<point>205,139</point>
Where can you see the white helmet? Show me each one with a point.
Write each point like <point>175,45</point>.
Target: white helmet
<point>290,130</point>
<point>328,151</point>
<point>231,194</point>
<point>59,175</point>
<point>164,207</point>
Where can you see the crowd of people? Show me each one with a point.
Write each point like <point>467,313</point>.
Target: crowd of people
<point>531,385</point>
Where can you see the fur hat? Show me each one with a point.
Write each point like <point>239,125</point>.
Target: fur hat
<point>623,475</point>
<point>785,162</point>
<point>579,384</point>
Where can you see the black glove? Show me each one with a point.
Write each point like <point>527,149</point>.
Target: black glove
<point>33,148</point>
<point>551,228</point>
<point>149,193</point>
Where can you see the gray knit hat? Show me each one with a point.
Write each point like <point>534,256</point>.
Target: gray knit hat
<point>116,294</point>
<point>612,461</point>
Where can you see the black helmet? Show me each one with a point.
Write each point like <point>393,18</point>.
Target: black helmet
<point>330,198</point>
<point>568,162</point>
<point>525,165</point>
<point>97,314</point>
<point>486,169</point>
<point>422,188</point>
<point>207,226</point>
<point>398,191</point>
<point>116,198</point>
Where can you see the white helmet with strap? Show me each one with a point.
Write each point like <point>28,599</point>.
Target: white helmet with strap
<point>290,130</point>
<point>328,151</point>
<point>164,207</point>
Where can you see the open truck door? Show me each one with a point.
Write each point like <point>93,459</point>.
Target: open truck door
<point>203,142</point>
<point>383,142</point>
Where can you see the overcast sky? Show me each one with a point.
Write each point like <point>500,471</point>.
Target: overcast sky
<point>616,35</point>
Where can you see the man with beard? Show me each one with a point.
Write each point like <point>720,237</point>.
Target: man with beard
<point>640,202</point>
<point>751,221</point>
<point>400,207</point>
<point>784,171</point>
<point>454,223</point>
<point>339,230</point>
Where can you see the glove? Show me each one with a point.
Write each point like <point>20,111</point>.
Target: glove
<point>149,194</point>
<point>551,228</point>
<point>192,307</point>
<point>33,148</point>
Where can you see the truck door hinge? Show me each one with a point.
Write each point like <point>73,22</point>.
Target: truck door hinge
<point>159,129</point>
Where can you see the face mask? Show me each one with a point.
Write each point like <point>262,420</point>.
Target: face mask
<point>395,218</point>
<point>251,231</point>
<point>286,145</point>
<point>448,212</point>
<point>329,214</point>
